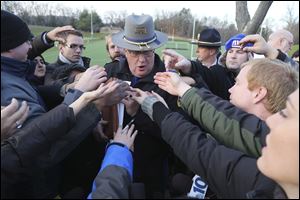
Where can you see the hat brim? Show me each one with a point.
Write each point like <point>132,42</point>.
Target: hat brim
<point>161,39</point>
<point>207,44</point>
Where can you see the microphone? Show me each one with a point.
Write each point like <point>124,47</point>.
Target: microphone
<point>181,184</point>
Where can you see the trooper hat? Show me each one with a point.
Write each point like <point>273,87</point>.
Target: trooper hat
<point>209,37</point>
<point>139,34</point>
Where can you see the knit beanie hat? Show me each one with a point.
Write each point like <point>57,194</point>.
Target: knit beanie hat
<point>14,31</point>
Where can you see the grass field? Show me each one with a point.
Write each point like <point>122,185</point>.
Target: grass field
<point>96,50</point>
<point>95,47</point>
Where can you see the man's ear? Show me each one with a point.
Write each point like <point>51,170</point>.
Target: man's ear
<point>259,94</point>
<point>60,46</point>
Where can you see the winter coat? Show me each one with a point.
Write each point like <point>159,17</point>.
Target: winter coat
<point>230,125</point>
<point>217,78</point>
<point>14,84</point>
<point>18,153</point>
<point>229,173</point>
<point>150,151</point>
<point>115,176</point>
<point>41,145</point>
<point>58,63</point>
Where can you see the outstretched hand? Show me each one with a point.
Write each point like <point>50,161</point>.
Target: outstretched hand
<point>12,117</point>
<point>101,91</point>
<point>91,79</point>
<point>171,83</point>
<point>174,60</point>
<point>141,95</point>
<point>126,136</point>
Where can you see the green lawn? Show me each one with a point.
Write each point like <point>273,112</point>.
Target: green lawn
<point>294,48</point>
<point>95,48</point>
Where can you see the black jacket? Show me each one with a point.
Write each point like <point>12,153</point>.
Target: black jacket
<point>218,78</point>
<point>30,159</point>
<point>229,173</point>
<point>150,151</point>
<point>58,63</point>
<point>18,153</point>
<point>38,46</point>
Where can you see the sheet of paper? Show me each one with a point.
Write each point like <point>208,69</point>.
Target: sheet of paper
<point>121,109</point>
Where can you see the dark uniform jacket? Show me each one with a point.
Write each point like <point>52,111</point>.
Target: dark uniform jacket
<point>218,78</point>
<point>149,149</point>
<point>229,173</point>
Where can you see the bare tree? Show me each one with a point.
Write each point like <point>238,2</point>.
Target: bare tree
<point>243,21</point>
<point>292,23</point>
<point>12,6</point>
<point>242,16</point>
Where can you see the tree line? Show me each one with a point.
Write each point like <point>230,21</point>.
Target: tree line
<point>177,23</point>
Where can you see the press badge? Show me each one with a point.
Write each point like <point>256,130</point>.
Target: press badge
<point>198,189</point>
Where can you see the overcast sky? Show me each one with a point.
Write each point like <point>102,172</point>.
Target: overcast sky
<point>222,10</point>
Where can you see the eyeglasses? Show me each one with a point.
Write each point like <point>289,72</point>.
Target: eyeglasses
<point>136,54</point>
<point>75,46</point>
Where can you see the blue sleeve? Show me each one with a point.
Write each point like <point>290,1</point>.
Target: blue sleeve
<point>116,155</point>
<point>120,156</point>
<point>72,96</point>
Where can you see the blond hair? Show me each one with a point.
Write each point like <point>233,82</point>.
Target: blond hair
<point>277,77</point>
<point>107,38</point>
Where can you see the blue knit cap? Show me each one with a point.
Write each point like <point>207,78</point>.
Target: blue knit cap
<point>233,42</point>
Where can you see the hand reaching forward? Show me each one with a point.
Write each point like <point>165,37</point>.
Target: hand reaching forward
<point>130,104</point>
<point>12,117</point>
<point>171,83</point>
<point>141,95</point>
<point>126,136</point>
<point>88,97</point>
<point>91,79</point>
<point>118,91</point>
<point>174,60</point>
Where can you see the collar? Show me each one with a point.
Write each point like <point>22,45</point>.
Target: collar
<point>64,60</point>
<point>16,67</point>
<point>214,63</point>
